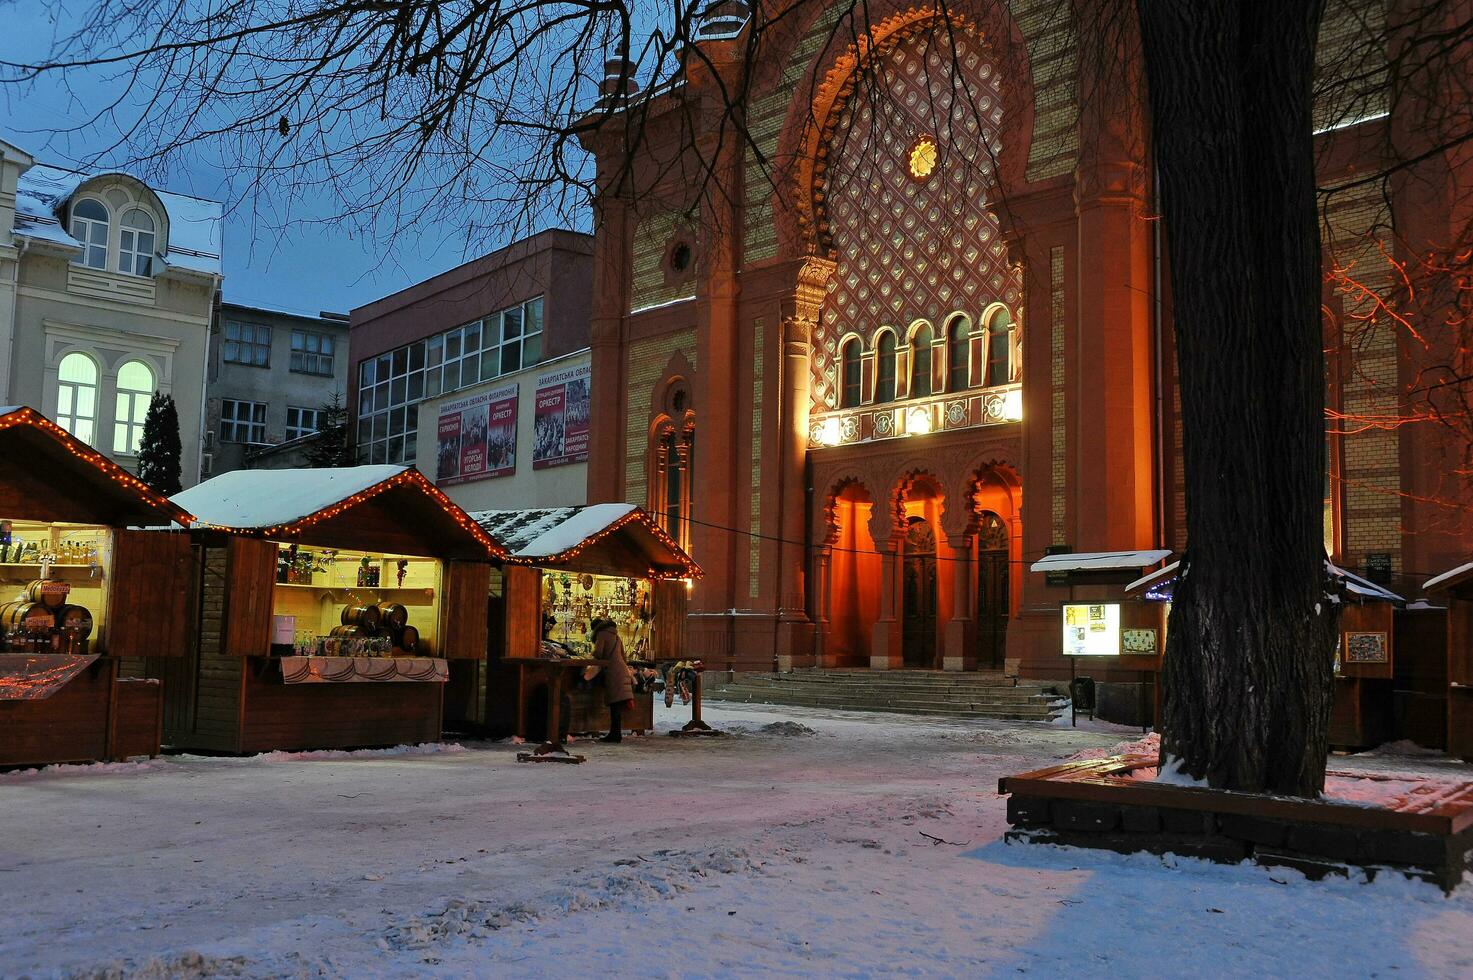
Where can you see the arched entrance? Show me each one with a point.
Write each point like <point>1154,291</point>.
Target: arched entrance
<point>918,626</point>
<point>993,594</point>
<point>850,573</point>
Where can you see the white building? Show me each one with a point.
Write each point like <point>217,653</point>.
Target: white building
<point>107,287</point>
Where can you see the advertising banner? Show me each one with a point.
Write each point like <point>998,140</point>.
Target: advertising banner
<point>560,426</point>
<point>477,437</point>
<point>1091,629</point>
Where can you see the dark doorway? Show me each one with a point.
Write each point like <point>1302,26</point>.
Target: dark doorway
<point>992,592</point>
<point>918,628</point>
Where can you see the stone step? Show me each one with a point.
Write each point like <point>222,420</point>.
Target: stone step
<point>915,692</point>
<point>960,706</point>
<point>862,690</point>
<point>879,682</point>
<point>948,711</point>
<point>750,694</point>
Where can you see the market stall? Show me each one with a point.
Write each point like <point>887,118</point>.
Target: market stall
<point>564,568</point>
<point>1455,587</point>
<point>82,595</point>
<point>331,603</point>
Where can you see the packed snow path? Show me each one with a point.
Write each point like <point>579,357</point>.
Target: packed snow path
<point>807,845</point>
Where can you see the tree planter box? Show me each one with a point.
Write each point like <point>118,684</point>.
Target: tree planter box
<point>1420,828</point>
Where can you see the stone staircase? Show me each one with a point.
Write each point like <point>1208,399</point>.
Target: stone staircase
<point>911,692</point>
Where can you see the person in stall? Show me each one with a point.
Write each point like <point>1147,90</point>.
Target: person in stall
<point>618,679</point>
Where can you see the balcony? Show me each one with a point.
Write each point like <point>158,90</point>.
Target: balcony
<point>916,416</point>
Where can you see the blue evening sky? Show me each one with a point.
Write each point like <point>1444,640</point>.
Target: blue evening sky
<point>279,254</point>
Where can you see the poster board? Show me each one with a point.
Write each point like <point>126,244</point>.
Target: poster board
<point>560,422</point>
<point>1091,629</point>
<point>476,437</point>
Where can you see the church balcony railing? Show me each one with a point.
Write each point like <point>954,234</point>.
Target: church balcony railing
<point>916,416</point>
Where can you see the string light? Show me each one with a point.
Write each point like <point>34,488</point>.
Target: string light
<point>689,569</point>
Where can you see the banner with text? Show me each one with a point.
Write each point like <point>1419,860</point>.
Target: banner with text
<point>477,437</point>
<point>560,426</point>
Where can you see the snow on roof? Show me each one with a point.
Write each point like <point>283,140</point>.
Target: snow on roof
<point>613,538</point>
<point>1447,577</point>
<point>1098,561</point>
<point>1162,574</point>
<point>1354,584</point>
<point>543,533</point>
<point>271,498</point>
<point>195,225</point>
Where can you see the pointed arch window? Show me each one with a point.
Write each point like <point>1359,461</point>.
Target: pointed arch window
<point>90,221</point>
<point>885,368</point>
<point>136,243</point>
<point>76,396</point>
<point>920,362</point>
<point>958,353</point>
<point>849,367</point>
<point>674,464</point>
<point>1000,348</point>
<point>135,391</point>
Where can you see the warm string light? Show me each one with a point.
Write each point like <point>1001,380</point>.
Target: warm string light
<point>691,569</point>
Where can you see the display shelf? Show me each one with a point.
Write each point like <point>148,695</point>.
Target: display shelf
<point>412,589</point>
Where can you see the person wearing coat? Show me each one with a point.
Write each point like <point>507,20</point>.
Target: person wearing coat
<point>618,678</point>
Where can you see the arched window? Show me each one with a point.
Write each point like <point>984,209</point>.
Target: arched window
<point>885,368</point>
<point>76,396</point>
<point>675,461</point>
<point>136,245</point>
<point>920,362</point>
<point>135,390</point>
<point>89,227</point>
<point>958,350</point>
<point>1000,349</point>
<point>849,359</point>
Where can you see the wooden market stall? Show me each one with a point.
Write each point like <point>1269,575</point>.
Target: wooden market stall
<point>82,596</point>
<point>1455,587</point>
<point>330,601</point>
<point>563,567</point>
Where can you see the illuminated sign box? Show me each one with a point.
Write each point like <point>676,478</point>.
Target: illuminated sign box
<point>1091,629</point>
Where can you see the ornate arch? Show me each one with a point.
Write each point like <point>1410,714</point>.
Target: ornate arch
<point>827,533</point>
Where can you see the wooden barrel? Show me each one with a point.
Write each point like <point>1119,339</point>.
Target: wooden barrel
<point>23,614</point>
<point>48,592</point>
<point>407,638</point>
<point>365,618</point>
<point>75,618</point>
<point>392,615</point>
<point>347,631</point>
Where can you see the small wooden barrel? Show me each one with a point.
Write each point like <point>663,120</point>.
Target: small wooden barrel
<point>407,638</point>
<point>23,614</point>
<point>75,618</point>
<point>48,592</point>
<point>392,615</point>
<point>365,618</point>
<point>347,631</point>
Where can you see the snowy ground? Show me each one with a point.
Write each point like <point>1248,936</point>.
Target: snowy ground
<point>774,852</point>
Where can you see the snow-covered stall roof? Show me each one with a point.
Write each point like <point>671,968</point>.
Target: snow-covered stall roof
<point>1354,584</point>
<point>612,539</point>
<point>386,508</point>
<point>47,474</point>
<point>1450,579</point>
<point>1099,561</point>
<point>195,225</point>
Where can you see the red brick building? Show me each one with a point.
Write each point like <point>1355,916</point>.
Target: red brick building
<point>873,366</point>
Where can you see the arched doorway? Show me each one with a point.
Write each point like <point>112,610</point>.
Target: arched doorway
<point>851,578</point>
<point>992,591</point>
<point>918,627</point>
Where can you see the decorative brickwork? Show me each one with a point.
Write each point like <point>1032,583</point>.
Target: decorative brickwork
<point>1048,27</point>
<point>652,283</point>
<point>754,541</point>
<point>644,368</point>
<point>1058,459</point>
<point>1349,47</point>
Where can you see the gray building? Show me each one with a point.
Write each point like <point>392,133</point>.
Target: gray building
<point>271,373</point>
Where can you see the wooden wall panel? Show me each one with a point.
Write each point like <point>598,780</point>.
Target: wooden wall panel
<point>250,581</point>
<point>1368,617</point>
<point>523,590</point>
<point>464,593</point>
<point>148,611</point>
<point>671,602</point>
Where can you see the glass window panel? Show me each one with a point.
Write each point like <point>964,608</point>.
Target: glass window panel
<point>534,315</point>
<point>490,361</point>
<point>77,367</point>
<point>64,400</point>
<point>452,376</point>
<point>397,391</point>
<point>434,351</point>
<point>377,454</point>
<point>86,401</point>
<point>452,345</point>
<point>491,332</point>
<point>472,337</point>
<point>470,368</point>
<point>84,430</point>
<point>381,373</point>
<point>511,324</point>
<point>401,361</point>
<point>135,376</point>
<point>532,350</point>
<point>381,425</point>
<point>432,382</point>
<point>365,373</point>
<point>511,357</point>
<point>416,387</point>
<point>411,446</point>
<point>381,396</point>
<point>417,356</point>
<point>396,449</point>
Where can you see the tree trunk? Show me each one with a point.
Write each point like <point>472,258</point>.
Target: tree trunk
<point>1249,675</point>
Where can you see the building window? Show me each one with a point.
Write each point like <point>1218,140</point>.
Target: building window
<point>302,421</point>
<point>242,421</point>
<point>675,462</point>
<point>135,390</point>
<point>1000,349</point>
<point>958,349</point>
<point>849,390</point>
<point>76,395</point>
<point>247,343</point>
<point>311,353</point>
<point>89,226</point>
<point>136,244</point>
<point>885,368</point>
<point>920,362</point>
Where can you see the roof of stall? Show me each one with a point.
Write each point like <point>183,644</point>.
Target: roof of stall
<point>1364,588</point>
<point>608,539</point>
<point>1453,578</point>
<point>380,508</point>
<point>47,474</point>
<point>1098,561</point>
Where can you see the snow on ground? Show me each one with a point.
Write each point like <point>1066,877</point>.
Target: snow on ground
<point>812,842</point>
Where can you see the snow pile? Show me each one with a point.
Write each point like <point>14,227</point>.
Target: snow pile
<point>633,883</point>
<point>317,755</point>
<point>1172,774</point>
<point>1145,745</point>
<point>179,966</point>
<point>1355,790</point>
<point>85,769</point>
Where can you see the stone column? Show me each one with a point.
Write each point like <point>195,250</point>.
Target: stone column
<point>821,583</point>
<point>960,650</point>
<point>886,651</point>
